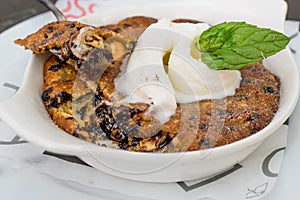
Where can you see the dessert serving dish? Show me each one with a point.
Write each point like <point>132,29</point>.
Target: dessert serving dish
<point>26,113</point>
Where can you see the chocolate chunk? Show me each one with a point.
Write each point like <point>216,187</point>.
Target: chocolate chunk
<point>55,68</point>
<point>65,96</point>
<point>203,126</point>
<point>57,35</point>
<point>45,95</point>
<point>123,144</point>
<point>118,135</point>
<point>268,89</point>
<point>165,142</point>
<point>126,25</point>
<point>50,29</point>
<point>98,97</point>
<point>70,25</point>
<point>53,103</point>
<point>253,117</point>
<point>205,142</point>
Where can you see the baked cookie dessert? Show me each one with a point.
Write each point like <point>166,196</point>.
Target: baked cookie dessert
<point>79,93</point>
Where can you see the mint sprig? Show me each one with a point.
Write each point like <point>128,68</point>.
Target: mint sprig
<point>234,45</point>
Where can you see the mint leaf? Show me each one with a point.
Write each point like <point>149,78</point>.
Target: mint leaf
<point>234,45</point>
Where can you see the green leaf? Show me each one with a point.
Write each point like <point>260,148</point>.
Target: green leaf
<point>234,45</point>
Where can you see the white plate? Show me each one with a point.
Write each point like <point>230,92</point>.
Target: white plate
<point>7,74</point>
<point>33,123</point>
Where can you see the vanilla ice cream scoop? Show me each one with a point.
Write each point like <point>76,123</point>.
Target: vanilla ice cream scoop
<point>162,72</point>
<point>191,78</point>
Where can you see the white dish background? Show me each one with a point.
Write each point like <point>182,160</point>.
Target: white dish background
<point>28,26</point>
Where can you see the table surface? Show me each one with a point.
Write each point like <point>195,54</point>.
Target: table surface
<point>15,11</point>
<point>24,9</point>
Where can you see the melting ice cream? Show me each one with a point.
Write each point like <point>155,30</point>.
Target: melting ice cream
<point>165,69</point>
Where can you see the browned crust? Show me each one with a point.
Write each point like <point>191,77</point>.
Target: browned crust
<point>57,93</point>
<point>132,26</point>
<point>183,20</point>
<point>236,117</point>
<point>194,126</point>
<point>57,71</point>
<point>248,111</point>
<point>50,36</point>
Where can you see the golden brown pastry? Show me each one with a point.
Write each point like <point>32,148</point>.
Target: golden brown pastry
<point>79,92</point>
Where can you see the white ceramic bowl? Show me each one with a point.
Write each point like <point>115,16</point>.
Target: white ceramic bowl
<point>25,111</point>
